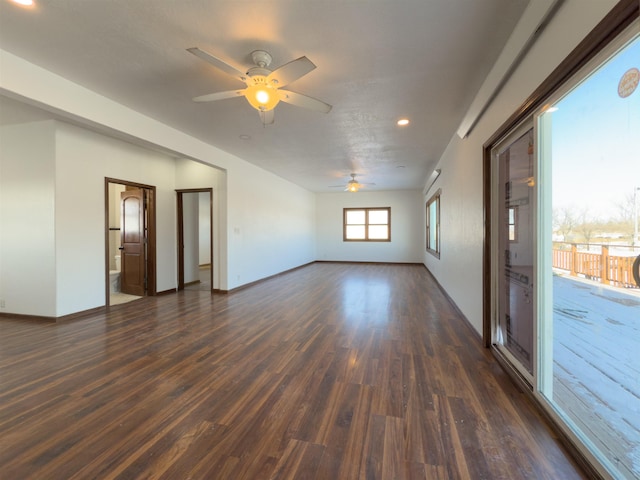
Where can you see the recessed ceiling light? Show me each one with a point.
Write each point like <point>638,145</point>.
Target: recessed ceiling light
<point>24,3</point>
<point>403,121</point>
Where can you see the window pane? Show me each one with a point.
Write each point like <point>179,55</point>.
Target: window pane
<point>355,217</point>
<point>515,272</point>
<point>378,217</point>
<point>378,232</point>
<point>590,361</point>
<point>355,232</point>
<point>433,225</point>
<point>367,224</point>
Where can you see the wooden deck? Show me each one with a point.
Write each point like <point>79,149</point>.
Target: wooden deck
<point>331,371</point>
<point>597,366</point>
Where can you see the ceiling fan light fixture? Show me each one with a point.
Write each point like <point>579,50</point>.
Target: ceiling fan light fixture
<point>262,91</point>
<point>262,96</point>
<point>353,186</point>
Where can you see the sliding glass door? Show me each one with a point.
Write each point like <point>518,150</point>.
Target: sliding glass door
<point>564,249</point>
<point>589,137</point>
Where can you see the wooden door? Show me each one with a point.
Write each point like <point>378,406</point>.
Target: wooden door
<point>132,249</point>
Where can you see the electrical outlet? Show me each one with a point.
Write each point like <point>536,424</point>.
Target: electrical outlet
<point>2,303</point>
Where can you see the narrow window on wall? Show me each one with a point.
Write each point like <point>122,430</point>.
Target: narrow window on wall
<point>367,224</point>
<point>433,224</point>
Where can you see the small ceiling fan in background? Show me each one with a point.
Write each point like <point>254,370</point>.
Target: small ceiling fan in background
<point>352,185</point>
<point>263,89</point>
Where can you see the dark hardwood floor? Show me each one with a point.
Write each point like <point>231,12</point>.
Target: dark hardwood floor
<point>331,371</point>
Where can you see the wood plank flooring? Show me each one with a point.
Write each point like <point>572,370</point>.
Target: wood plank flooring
<point>331,371</point>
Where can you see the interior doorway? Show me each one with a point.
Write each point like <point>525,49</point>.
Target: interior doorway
<point>130,241</point>
<point>195,238</point>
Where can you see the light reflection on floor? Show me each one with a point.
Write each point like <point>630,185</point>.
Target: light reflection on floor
<point>366,300</point>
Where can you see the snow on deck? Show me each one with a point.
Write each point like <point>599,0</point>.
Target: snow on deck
<point>597,366</point>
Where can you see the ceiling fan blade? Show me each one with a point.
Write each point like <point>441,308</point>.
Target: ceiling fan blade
<point>291,71</point>
<point>304,101</point>
<point>211,97</point>
<point>216,62</point>
<point>267,117</point>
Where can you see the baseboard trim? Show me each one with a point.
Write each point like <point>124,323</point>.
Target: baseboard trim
<point>468,324</point>
<point>46,319</point>
<point>28,318</point>
<point>355,262</point>
<point>251,284</point>
<point>166,292</point>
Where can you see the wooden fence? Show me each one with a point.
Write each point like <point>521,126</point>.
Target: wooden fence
<point>608,269</point>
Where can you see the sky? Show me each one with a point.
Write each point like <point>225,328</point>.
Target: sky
<point>596,141</point>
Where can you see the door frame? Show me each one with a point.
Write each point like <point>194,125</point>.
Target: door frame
<point>150,255</point>
<point>180,228</point>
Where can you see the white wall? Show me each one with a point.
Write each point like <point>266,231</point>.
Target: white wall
<point>407,232</point>
<point>266,223</point>
<point>27,218</point>
<point>271,225</point>
<point>52,217</point>
<point>262,224</point>
<point>190,174</point>
<point>459,269</point>
<point>83,160</point>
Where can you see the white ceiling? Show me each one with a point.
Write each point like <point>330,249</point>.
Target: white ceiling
<point>377,61</point>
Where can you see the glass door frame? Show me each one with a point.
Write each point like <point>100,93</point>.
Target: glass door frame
<point>496,211</point>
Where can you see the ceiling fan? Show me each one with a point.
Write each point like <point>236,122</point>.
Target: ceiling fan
<point>263,90</point>
<point>352,185</point>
